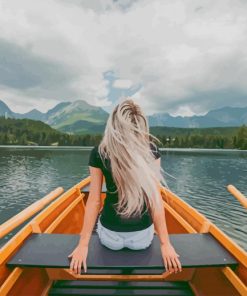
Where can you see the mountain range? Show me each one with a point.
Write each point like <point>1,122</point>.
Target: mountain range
<point>223,117</point>
<point>79,117</point>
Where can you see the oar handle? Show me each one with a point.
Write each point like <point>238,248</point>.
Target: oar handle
<point>238,195</point>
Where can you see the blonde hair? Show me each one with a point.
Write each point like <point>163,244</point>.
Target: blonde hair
<point>126,142</point>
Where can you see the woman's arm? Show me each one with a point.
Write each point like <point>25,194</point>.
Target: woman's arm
<point>158,216</point>
<point>92,206</point>
<point>169,254</point>
<point>79,255</point>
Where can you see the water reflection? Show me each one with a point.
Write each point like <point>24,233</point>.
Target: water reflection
<point>201,180</point>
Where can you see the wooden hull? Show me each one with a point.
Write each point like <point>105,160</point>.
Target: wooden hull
<point>65,215</point>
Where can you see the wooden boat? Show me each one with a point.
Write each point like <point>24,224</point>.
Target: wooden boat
<point>34,261</point>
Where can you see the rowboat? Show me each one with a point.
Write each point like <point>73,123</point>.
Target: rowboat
<point>34,261</point>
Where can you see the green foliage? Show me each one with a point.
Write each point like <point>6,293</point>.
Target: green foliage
<point>26,132</point>
<point>241,138</point>
<point>33,132</point>
<point>217,137</point>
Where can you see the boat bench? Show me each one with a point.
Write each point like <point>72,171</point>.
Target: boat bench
<point>45,250</point>
<point>52,250</point>
<point>86,189</point>
<point>106,288</point>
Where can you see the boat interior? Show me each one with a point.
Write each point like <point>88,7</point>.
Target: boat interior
<point>34,261</point>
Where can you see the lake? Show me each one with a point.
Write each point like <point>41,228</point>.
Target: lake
<point>198,176</point>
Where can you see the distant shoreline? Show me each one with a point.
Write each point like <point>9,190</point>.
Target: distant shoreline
<point>90,147</point>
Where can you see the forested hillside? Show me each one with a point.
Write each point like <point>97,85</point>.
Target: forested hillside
<point>33,132</point>
<point>215,137</point>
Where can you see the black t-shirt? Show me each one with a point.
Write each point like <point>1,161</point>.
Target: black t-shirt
<point>109,217</point>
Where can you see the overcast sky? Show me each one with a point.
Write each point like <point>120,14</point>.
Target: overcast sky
<point>183,57</point>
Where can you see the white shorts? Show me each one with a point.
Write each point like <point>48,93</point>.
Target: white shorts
<point>116,240</point>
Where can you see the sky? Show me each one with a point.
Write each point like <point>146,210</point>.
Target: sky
<point>183,57</point>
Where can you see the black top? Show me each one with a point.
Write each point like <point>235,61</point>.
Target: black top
<point>109,218</point>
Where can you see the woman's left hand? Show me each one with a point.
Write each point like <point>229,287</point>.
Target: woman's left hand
<point>79,257</point>
<point>170,258</point>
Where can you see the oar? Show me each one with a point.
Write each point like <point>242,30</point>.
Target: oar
<point>239,196</point>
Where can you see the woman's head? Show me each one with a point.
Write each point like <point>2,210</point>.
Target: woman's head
<point>126,142</point>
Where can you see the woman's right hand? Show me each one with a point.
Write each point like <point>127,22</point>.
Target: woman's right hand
<point>79,256</point>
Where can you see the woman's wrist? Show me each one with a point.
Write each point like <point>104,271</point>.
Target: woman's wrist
<point>165,243</point>
<point>83,241</point>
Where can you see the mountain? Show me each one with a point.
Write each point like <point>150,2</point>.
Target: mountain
<point>223,117</point>
<point>5,109</point>
<point>57,108</point>
<point>72,117</point>
<point>230,116</point>
<point>71,112</point>
<point>33,114</point>
<point>79,117</point>
<point>83,127</point>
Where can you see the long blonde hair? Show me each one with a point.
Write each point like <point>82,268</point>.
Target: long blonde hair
<point>126,142</point>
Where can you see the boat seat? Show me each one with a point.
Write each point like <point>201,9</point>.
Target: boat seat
<point>127,288</point>
<point>51,251</point>
<point>86,189</point>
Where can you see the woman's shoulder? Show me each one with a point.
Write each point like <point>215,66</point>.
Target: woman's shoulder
<point>94,157</point>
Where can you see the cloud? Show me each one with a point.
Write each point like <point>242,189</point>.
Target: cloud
<point>122,83</point>
<point>20,69</point>
<point>187,57</point>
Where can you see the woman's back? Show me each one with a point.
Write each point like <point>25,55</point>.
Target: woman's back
<point>109,217</point>
<point>124,154</point>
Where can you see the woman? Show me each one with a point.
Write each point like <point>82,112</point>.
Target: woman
<point>130,163</point>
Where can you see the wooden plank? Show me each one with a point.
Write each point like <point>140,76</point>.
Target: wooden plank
<point>180,288</point>
<point>86,188</point>
<point>107,292</point>
<point>126,285</point>
<point>52,250</point>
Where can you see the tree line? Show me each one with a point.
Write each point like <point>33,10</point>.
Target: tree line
<point>34,132</point>
<point>238,141</point>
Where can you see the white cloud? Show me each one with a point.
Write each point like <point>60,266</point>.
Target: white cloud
<point>122,83</point>
<point>21,103</point>
<point>186,111</point>
<point>177,50</point>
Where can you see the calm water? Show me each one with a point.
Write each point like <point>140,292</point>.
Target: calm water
<point>199,177</point>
